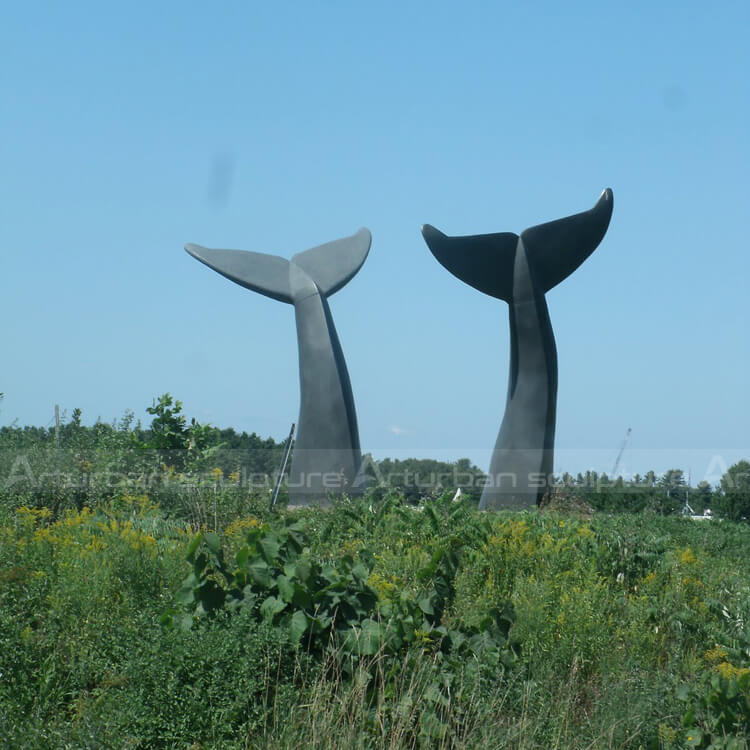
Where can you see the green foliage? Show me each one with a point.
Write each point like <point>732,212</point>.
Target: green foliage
<point>180,445</point>
<point>733,501</point>
<point>193,470</point>
<point>168,430</point>
<point>664,495</point>
<point>627,555</point>
<point>330,610</point>
<point>316,604</point>
<point>719,712</point>
<point>97,461</point>
<point>376,623</point>
<point>718,702</point>
<point>212,685</point>
<point>415,478</point>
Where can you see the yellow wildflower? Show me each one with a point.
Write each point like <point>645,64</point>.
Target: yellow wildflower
<point>385,588</point>
<point>728,670</point>
<point>715,654</point>
<point>687,556</point>
<point>242,526</point>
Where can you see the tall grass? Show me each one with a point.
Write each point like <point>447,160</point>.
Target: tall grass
<point>633,631</point>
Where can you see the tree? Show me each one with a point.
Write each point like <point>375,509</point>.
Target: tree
<point>168,431</point>
<point>673,481</point>
<point>182,446</point>
<point>733,498</point>
<point>671,494</point>
<point>701,498</point>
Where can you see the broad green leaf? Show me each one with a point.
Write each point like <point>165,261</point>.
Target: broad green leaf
<point>302,598</point>
<point>369,637</point>
<point>303,568</point>
<point>360,572</point>
<point>297,527</point>
<point>458,639</point>
<point>296,537</point>
<point>259,572</point>
<point>271,607</point>
<point>320,623</point>
<point>190,582</point>
<point>286,588</point>
<point>193,547</point>
<point>329,573</point>
<point>200,563</point>
<point>213,542</point>
<point>270,547</point>
<point>185,596</point>
<point>297,626</point>
<point>185,622</point>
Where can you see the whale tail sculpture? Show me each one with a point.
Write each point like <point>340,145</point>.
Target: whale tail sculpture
<point>554,250</point>
<point>327,455</point>
<point>520,270</point>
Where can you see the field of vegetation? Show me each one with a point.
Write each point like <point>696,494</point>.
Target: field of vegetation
<point>190,615</point>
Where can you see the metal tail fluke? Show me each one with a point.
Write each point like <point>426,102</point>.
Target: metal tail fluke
<point>329,266</point>
<point>484,261</point>
<point>266,274</point>
<point>554,249</point>
<point>334,264</point>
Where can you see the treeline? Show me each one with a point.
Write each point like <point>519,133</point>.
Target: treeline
<point>665,494</point>
<point>83,461</point>
<point>76,464</point>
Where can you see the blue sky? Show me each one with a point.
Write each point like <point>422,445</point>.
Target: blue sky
<point>127,131</point>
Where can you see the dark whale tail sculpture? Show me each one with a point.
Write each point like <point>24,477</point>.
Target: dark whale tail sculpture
<point>327,455</point>
<point>520,270</point>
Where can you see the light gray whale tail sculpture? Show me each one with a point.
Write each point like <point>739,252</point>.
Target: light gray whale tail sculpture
<point>520,270</point>
<point>327,456</point>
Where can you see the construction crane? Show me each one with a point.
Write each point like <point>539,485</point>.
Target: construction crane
<point>619,455</point>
